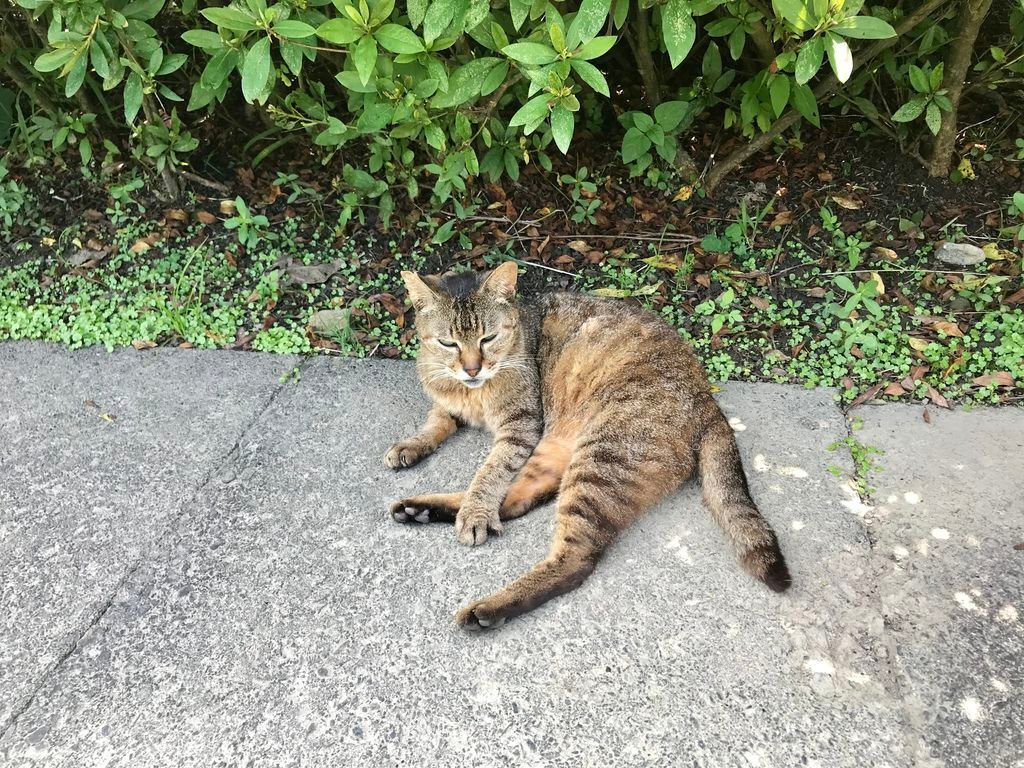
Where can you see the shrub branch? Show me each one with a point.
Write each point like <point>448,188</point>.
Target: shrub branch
<point>737,157</point>
<point>969,21</point>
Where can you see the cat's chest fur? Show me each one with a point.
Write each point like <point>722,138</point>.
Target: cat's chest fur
<point>466,405</point>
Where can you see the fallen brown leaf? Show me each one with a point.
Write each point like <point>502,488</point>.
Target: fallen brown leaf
<point>782,218</point>
<point>948,328</point>
<point>139,344</point>
<point>1000,379</point>
<point>867,395</point>
<point>205,217</point>
<point>895,389</point>
<point>926,415</point>
<point>936,398</point>
<point>847,202</point>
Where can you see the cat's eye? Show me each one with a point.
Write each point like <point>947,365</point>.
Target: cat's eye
<point>448,344</point>
<point>488,339</point>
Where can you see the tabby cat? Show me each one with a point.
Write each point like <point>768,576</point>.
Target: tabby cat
<point>591,400</point>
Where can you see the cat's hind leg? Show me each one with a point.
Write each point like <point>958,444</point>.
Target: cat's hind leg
<point>604,489</point>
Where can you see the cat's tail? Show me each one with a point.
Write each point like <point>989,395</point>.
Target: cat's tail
<point>727,494</point>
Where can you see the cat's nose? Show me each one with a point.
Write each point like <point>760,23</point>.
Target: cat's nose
<point>471,370</point>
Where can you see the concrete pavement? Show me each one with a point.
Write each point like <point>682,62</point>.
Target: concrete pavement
<point>197,568</point>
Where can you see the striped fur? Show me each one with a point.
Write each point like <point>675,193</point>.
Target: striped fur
<point>593,401</point>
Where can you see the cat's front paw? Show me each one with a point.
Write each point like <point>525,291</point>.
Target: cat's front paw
<point>406,453</point>
<point>473,523</point>
<point>483,614</point>
<point>407,511</point>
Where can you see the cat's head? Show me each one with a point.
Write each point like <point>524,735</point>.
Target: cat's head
<point>468,324</point>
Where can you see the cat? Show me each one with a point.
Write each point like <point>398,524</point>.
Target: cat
<point>597,402</point>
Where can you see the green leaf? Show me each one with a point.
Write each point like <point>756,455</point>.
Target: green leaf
<point>562,124</point>
<point>911,110</point>
<point>737,40</point>
<point>943,101</point>
<point>99,60</point>
<point>802,97</point>
<point>531,112</point>
<point>634,144</point>
<point>796,12</point>
<point>711,64</point>
<point>495,77</point>
<point>808,61</point>
<point>778,89</point>
<point>864,28</point>
<point>933,118</point>
<point>533,54</point>
<point>557,36</point>
<point>643,121</point>
<point>918,79</point>
<point>172,63</point>
<point>843,282</point>
<point>465,83</point>
<point>256,69</point>
<point>440,15</point>
<point>591,75</point>
<point>520,10</point>
<point>498,35</point>
<point>398,39</point>
<point>143,10</point>
<point>85,151</point>
<point>230,18</point>
<point>839,56</point>
<point>339,31</point>
<point>76,76</point>
<point>294,30</point>
<point>54,59</point>
<point>417,10</point>
<point>596,48</point>
<point>364,56</point>
<point>678,29</point>
<point>132,97</point>
<point>669,114</point>
<point>587,22</point>
<point>203,38</point>
<point>935,80</point>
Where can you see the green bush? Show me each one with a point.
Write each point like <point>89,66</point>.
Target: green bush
<point>424,98</point>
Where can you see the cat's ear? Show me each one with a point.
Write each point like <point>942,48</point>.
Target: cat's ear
<point>502,281</point>
<point>420,292</point>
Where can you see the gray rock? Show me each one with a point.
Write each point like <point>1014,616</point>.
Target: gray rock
<point>960,254</point>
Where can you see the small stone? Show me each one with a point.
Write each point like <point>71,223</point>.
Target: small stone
<point>329,321</point>
<point>960,254</point>
<point>84,256</point>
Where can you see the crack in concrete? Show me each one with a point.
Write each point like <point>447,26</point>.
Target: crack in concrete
<point>914,747</point>
<point>230,457</point>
